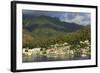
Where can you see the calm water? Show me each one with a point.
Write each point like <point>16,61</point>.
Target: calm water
<point>39,58</point>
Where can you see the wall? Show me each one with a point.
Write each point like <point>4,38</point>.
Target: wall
<point>5,36</point>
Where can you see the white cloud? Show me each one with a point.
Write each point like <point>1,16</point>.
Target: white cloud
<point>78,19</point>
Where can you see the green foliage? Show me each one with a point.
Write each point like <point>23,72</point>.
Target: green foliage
<point>46,31</point>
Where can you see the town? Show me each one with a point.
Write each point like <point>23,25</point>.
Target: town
<point>65,49</point>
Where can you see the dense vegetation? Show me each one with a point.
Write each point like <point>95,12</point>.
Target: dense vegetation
<point>43,31</point>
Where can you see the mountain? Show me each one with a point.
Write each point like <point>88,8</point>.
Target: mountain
<point>42,31</point>
<point>32,23</point>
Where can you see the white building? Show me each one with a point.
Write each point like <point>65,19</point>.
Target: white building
<point>27,51</point>
<point>36,50</point>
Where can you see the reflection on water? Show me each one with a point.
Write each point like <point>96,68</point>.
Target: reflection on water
<point>58,52</point>
<point>43,58</point>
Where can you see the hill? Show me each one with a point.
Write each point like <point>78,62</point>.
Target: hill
<point>41,31</point>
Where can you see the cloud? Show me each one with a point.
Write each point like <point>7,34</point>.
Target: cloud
<point>78,18</point>
<point>72,17</point>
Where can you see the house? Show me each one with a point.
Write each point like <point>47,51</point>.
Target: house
<point>27,51</point>
<point>84,52</point>
<point>51,51</point>
<point>71,52</point>
<point>36,50</point>
<point>65,44</point>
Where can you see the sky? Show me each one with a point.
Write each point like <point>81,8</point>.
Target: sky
<point>72,17</point>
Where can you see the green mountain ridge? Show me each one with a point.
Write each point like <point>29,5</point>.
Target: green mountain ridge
<point>42,31</point>
<point>49,22</point>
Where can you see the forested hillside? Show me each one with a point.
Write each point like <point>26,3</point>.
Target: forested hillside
<point>43,31</point>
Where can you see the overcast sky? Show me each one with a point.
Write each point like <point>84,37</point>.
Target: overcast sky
<point>75,17</point>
